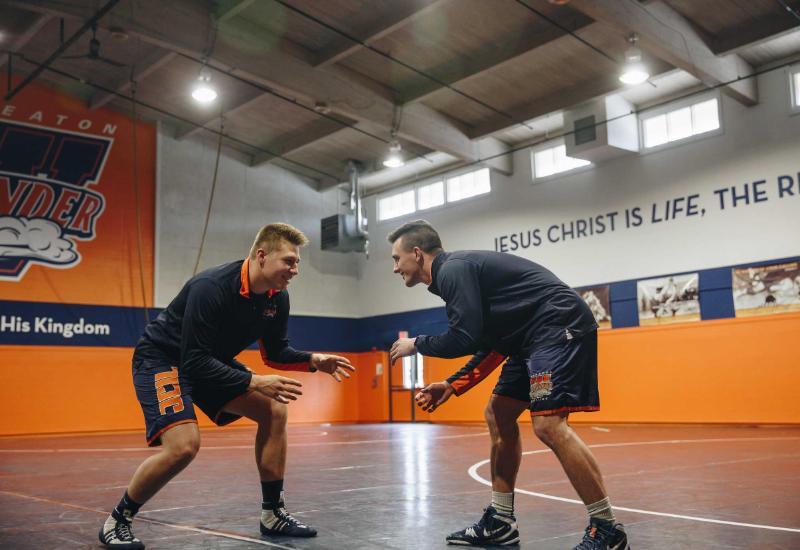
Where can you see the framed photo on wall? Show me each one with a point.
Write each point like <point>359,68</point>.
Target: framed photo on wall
<point>597,298</point>
<point>673,299</point>
<point>766,290</point>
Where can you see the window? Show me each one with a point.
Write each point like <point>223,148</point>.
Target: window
<point>681,123</point>
<point>430,195</point>
<point>396,205</point>
<point>796,88</point>
<point>554,160</point>
<point>468,185</point>
<point>413,367</point>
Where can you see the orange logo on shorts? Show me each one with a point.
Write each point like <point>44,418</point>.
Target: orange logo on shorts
<point>168,397</point>
<point>541,386</point>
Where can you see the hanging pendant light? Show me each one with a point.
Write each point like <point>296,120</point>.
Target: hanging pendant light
<point>203,92</point>
<point>395,158</point>
<point>634,71</point>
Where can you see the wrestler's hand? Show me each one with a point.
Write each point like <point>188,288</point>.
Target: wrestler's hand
<point>279,388</point>
<point>335,365</point>
<point>431,396</point>
<point>402,348</point>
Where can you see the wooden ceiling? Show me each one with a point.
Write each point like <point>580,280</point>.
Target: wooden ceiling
<point>309,84</point>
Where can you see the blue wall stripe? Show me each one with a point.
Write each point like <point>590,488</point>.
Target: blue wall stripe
<point>716,279</point>
<point>58,324</point>
<point>716,304</point>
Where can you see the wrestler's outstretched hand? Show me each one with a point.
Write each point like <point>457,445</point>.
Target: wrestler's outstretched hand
<point>335,365</point>
<point>431,396</point>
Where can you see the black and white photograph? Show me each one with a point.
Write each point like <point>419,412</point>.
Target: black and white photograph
<point>672,299</point>
<point>597,298</point>
<point>766,290</point>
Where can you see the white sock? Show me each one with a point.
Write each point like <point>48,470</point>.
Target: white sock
<point>601,510</point>
<point>268,516</point>
<point>503,502</point>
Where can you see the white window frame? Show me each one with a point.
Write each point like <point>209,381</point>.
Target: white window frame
<point>419,186</point>
<point>448,201</point>
<point>429,181</point>
<point>550,177</point>
<point>794,89</point>
<point>390,194</point>
<point>419,361</point>
<point>675,106</point>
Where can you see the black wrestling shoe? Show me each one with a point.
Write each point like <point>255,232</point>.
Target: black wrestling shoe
<point>493,528</point>
<point>278,522</point>
<point>604,535</point>
<point>117,534</point>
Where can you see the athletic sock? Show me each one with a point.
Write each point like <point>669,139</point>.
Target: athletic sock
<point>503,503</point>
<point>601,510</point>
<point>126,509</point>
<point>271,494</point>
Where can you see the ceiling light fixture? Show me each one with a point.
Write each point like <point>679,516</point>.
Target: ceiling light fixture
<point>203,92</point>
<point>634,71</point>
<point>394,159</point>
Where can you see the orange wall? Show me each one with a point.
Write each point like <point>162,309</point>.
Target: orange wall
<point>726,371</point>
<point>77,389</point>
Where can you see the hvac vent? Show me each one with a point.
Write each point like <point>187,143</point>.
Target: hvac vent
<point>602,129</point>
<point>338,233</point>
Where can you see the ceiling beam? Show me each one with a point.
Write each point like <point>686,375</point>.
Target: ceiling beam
<point>88,22</point>
<point>150,64</point>
<point>27,36</point>
<point>398,16</point>
<point>667,34</point>
<point>460,71</point>
<point>555,101</point>
<point>249,98</point>
<point>764,29</point>
<point>310,134</point>
<point>296,77</point>
<point>226,9</point>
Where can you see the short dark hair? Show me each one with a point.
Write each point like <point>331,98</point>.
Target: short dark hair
<point>417,233</point>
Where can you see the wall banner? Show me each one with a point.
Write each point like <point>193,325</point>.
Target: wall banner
<point>72,227</point>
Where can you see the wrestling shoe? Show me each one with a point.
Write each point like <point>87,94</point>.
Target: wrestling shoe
<point>278,522</point>
<point>117,534</point>
<point>493,528</point>
<point>604,535</point>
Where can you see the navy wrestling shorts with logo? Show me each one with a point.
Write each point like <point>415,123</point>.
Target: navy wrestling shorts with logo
<point>166,396</point>
<point>557,377</point>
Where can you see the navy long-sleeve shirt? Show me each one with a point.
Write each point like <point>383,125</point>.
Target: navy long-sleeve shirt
<point>213,318</point>
<point>499,305</point>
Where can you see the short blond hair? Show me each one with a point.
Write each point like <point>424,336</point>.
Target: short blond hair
<point>270,236</point>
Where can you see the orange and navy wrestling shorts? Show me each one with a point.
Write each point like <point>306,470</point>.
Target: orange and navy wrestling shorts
<point>167,397</point>
<point>559,377</point>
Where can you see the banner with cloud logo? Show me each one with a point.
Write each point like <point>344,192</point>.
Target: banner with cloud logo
<point>75,226</point>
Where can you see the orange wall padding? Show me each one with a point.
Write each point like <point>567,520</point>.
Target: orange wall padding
<point>87,389</point>
<point>723,371</point>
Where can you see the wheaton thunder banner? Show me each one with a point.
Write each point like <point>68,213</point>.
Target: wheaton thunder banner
<point>76,239</point>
